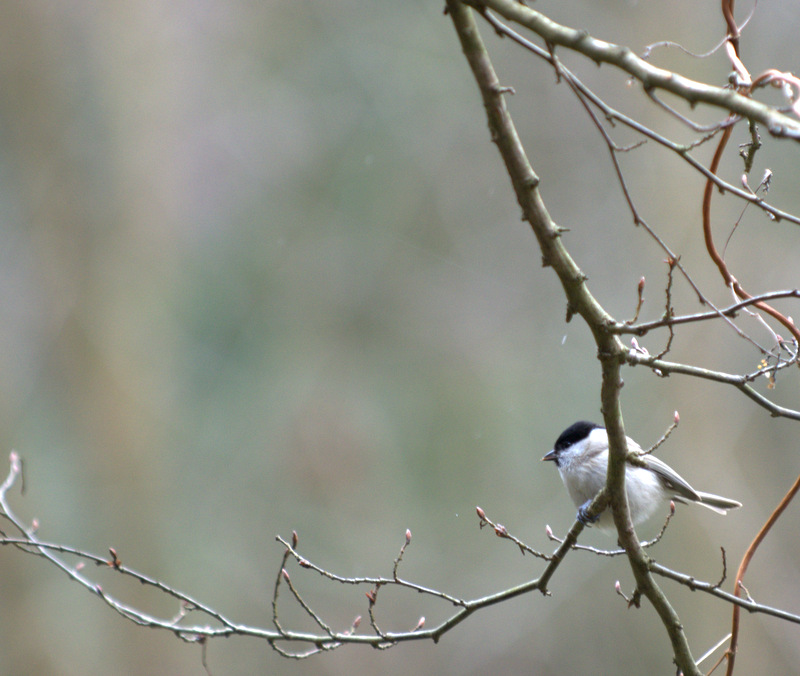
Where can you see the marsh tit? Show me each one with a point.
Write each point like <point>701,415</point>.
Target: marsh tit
<point>581,455</point>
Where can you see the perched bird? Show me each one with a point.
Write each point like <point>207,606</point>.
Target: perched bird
<point>581,455</point>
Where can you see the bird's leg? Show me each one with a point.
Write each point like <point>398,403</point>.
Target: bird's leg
<point>583,514</point>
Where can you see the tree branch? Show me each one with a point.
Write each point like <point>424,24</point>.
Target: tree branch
<point>580,300</point>
<point>726,99</point>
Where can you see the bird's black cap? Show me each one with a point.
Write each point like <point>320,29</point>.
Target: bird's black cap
<point>574,433</point>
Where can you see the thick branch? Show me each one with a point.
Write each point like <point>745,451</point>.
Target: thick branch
<point>523,178</point>
<point>580,301</point>
<point>650,76</point>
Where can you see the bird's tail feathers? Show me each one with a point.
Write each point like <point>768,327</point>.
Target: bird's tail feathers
<point>717,503</point>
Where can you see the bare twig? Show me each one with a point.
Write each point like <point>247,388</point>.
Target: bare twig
<point>748,555</point>
<point>502,532</point>
<point>650,76</point>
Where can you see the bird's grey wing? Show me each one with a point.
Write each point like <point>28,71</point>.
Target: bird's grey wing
<point>671,478</point>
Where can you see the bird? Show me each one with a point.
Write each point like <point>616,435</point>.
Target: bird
<point>581,456</point>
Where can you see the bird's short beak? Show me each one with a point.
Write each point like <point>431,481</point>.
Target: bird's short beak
<point>550,456</point>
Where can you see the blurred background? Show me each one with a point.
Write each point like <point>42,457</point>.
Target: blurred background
<point>261,270</point>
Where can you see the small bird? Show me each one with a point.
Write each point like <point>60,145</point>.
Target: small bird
<point>581,455</point>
